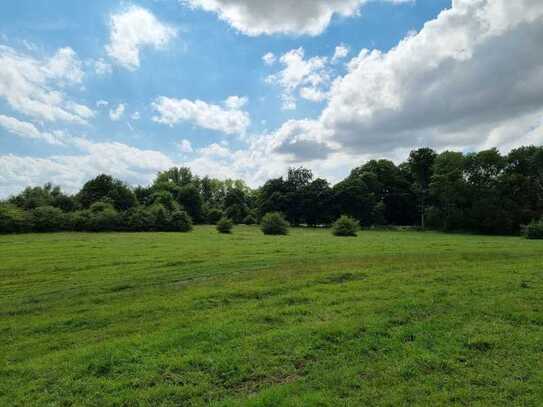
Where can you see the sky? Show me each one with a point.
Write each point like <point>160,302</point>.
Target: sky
<point>246,89</point>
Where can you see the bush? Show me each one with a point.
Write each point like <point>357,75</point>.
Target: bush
<point>48,219</point>
<point>13,220</point>
<point>139,219</point>
<point>225,225</point>
<point>161,217</point>
<point>273,223</point>
<point>345,226</point>
<point>534,230</point>
<point>103,218</point>
<point>249,220</point>
<point>214,215</point>
<point>181,221</point>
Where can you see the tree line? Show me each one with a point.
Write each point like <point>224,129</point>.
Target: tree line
<point>482,192</point>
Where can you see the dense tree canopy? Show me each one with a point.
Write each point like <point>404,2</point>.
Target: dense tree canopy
<point>484,192</point>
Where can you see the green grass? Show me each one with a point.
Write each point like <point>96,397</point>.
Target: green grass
<point>309,319</point>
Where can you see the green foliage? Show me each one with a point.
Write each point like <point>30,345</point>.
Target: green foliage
<point>345,226</point>
<point>249,220</point>
<point>48,219</point>
<point>161,217</point>
<point>274,223</point>
<point>181,221</point>
<point>534,230</point>
<point>225,225</point>
<point>139,219</point>
<point>13,219</point>
<point>214,215</point>
<point>106,188</point>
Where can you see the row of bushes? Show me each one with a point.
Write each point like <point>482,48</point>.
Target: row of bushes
<point>100,217</point>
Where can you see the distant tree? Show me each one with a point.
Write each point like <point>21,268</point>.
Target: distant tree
<point>317,203</point>
<point>105,187</point>
<point>449,192</point>
<point>421,164</point>
<point>191,200</point>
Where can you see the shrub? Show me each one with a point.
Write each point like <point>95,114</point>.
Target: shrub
<point>345,226</point>
<point>105,220</point>
<point>273,223</point>
<point>162,217</point>
<point>249,220</point>
<point>181,221</point>
<point>13,220</point>
<point>138,219</point>
<point>214,215</point>
<point>48,219</point>
<point>534,230</point>
<point>225,225</point>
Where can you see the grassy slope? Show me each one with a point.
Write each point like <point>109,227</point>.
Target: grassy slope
<point>388,318</point>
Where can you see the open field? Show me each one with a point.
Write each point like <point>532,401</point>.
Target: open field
<point>388,318</point>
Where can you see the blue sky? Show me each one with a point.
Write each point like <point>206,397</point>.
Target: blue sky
<point>306,108</point>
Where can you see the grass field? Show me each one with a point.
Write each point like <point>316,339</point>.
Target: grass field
<point>388,318</point>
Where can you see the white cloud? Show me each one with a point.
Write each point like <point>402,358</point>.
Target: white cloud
<point>135,116</point>
<point>128,163</point>
<point>257,17</point>
<point>28,130</point>
<point>341,52</point>
<point>32,86</point>
<point>311,75</point>
<point>132,30</point>
<point>185,146</point>
<point>475,68</point>
<point>269,58</point>
<point>102,103</point>
<point>64,66</point>
<point>117,113</point>
<point>101,67</point>
<point>235,102</point>
<point>229,119</point>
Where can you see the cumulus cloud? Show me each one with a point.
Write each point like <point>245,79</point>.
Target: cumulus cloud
<point>257,17</point>
<point>117,113</point>
<point>302,77</point>
<point>128,163</point>
<point>476,67</point>
<point>34,86</point>
<point>133,29</point>
<point>228,119</point>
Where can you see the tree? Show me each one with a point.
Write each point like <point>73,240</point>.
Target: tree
<point>421,163</point>
<point>106,188</point>
<point>449,192</point>
<point>190,200</point>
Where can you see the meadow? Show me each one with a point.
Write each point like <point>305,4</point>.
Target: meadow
<point>388,318</point>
